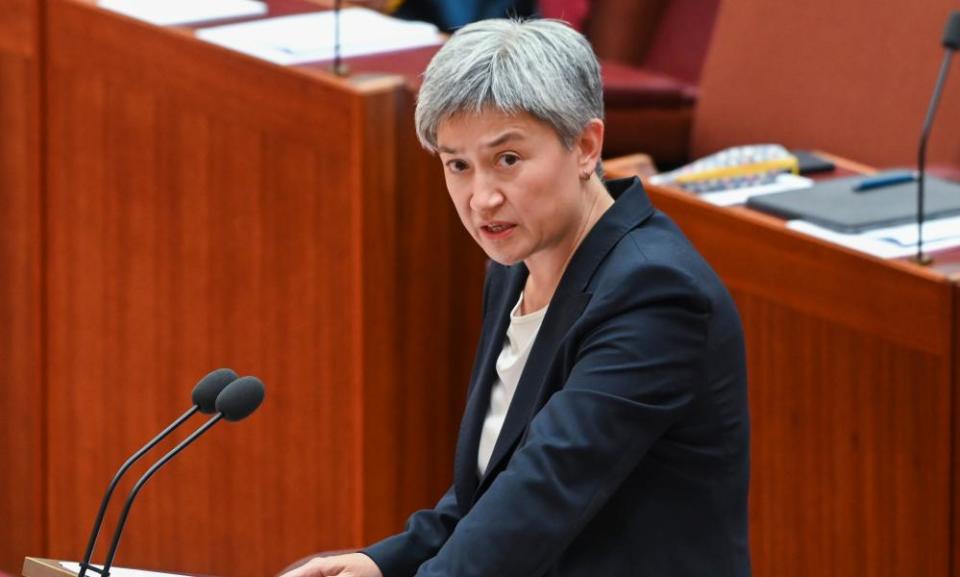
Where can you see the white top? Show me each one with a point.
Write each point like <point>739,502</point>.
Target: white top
<point>516,348</point>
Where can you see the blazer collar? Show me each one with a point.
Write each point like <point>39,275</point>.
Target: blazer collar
<point>631,208</point>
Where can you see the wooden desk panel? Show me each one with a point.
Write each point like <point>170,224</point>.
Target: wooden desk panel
<point>850,397</point>
<point>955,455</point>
<point>853,366</point>
<point>851,448</point>
<point>21,390</point>
<point>208,209</point>
<point>20,22</point>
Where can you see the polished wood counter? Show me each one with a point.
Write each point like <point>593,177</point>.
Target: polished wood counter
<point>853,376</point>
<point>200,208</point>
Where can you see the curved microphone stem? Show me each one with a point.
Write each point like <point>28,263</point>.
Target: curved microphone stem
<point>143,480</point>
<point>922,154</point>
<point>337,65</point>
<point>92,542</point>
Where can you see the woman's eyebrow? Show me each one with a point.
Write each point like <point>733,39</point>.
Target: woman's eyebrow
<point>503,138</point>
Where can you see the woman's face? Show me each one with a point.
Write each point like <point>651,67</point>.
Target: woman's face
<point>515,185</point>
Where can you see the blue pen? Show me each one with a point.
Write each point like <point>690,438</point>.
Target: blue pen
<point>884,179</point>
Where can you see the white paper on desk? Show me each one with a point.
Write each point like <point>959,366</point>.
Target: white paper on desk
<point>890,242</point>
<point>906,234</point>
<point>170,12</point>
<point>118,571</point>
<point>309,37</point>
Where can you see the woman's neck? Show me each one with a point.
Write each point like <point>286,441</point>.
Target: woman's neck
<point>545,271</point>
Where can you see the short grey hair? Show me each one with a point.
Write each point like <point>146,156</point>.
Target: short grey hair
<point>541,67</point>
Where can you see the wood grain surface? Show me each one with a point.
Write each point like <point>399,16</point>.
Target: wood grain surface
<point>21,383</point>
<point>206,209</point>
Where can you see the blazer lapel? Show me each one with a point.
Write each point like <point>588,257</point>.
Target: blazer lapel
<point>494,331</point>
<point>565,309</point>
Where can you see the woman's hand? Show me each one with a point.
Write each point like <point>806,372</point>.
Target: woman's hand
<point>349,565</point>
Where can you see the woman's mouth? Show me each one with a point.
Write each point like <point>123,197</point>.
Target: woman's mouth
<point>497,230</point>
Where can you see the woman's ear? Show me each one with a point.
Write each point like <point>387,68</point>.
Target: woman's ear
<point>590,146</point>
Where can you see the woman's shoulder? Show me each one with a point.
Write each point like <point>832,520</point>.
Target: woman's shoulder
<point>655,261</point>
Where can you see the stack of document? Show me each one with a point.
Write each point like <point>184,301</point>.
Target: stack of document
<point>892,241</point>
<point>170,12</point>
<point>875,214</point>
<point>310,37</point>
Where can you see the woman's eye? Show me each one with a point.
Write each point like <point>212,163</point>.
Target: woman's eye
<point>508,159</point>
<point>457,165</point>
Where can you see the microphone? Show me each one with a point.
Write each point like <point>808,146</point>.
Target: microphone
<point>951,42</point>
<point>204,397</point>
<point>236,402</point>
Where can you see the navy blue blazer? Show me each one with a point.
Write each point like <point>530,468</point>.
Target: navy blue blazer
<point>625,450</point>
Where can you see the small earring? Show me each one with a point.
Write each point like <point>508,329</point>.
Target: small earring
<point>585,175</point>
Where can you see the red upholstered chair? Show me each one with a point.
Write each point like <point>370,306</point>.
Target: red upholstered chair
<point>646,111</point>
<point>852,78</point>
<point>651,53</point>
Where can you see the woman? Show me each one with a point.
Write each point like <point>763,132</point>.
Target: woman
<point>606,428</point>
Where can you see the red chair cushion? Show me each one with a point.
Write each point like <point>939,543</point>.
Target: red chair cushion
<point>631,86</point>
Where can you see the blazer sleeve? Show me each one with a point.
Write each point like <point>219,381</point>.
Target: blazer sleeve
<point>634,374</point>
<point>426,531</point>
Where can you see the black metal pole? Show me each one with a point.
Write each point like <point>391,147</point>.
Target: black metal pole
<point>92,542</point>
<point>922,153</point>
<point>143,480</point>
<point>337,64</point>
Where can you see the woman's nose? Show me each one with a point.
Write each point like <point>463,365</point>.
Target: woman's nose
<point>486,195</point>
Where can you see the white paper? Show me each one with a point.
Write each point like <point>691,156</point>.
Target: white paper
<point>783,183</point>
<point>890,242</point>
<point>170,12</point>
<point>310,37</point>
<point>906,234</point>
<point>118,571</point>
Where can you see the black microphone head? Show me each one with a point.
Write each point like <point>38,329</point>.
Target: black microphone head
<point>207,390</point>
<point>240,398</point>
<point>951,34</point>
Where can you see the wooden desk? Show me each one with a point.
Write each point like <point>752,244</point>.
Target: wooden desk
<point>853,372</point>
<point>21,391</point>
<point>203,209</point>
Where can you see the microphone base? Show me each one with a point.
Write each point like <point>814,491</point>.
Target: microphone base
<point>922,259</point>
<point>95,569</point>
